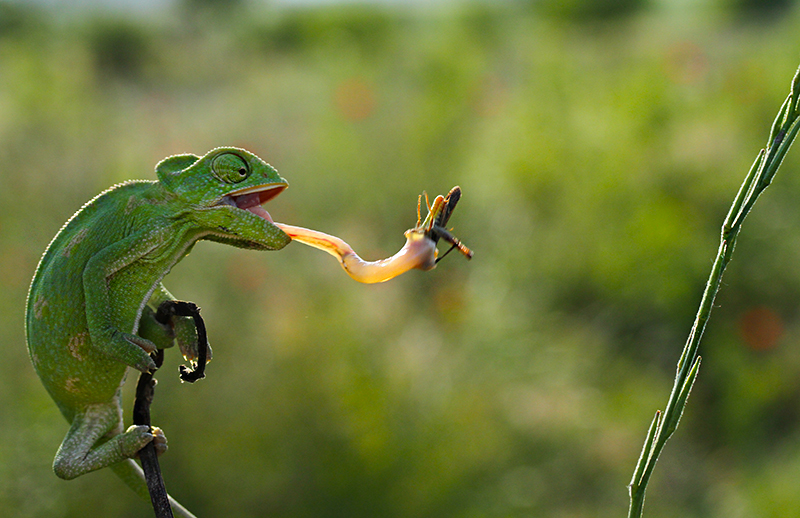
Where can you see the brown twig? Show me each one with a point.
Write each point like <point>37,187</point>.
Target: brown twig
<point>147,455</point>
<point>171,308</point>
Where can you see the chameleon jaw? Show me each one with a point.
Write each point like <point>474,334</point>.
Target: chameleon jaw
<point>251,198</point>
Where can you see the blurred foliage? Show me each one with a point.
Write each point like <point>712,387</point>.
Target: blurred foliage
<point>299,31</point>
<point>119,48</point>
<point>597,162</point>
<point>585,10</point>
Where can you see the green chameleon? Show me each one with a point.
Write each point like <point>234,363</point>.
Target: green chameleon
<point>92,305</point>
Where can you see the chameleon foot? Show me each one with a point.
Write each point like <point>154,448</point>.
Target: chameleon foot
<point>135,438</point>
<point>159,440</point>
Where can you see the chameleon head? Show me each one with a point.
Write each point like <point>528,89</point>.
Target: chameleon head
<point>225,178</point>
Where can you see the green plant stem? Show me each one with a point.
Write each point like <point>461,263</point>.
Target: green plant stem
<point>783,132</point>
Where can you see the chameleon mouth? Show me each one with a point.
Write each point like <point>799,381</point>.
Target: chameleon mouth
<point>251,199</point>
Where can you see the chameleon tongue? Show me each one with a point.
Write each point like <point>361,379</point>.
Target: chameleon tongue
<point>259,211</point>
<point>252,202</point>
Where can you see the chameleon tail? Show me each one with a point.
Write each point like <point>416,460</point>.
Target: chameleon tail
<point>133,476</point>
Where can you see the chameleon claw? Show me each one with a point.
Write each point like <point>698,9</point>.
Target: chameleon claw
<point>159,440</point>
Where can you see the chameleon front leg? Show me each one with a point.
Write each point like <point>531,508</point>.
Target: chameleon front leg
<point>115,343</point>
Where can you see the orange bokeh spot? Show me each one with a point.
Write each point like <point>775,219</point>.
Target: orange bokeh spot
<point>761,328</point>
<point>355,99</point>
<point>685,63</point>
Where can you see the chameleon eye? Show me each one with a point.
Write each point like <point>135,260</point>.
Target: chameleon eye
<point>230,168</point>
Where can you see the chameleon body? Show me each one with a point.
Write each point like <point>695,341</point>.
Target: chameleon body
<point>92,301</point>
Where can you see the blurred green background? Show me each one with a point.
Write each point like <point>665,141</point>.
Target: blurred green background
<point>598,144</point>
